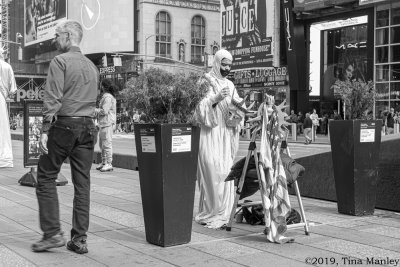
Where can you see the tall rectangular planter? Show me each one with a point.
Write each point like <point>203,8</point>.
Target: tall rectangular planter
<point>167,159</point>
<point>355,148</point>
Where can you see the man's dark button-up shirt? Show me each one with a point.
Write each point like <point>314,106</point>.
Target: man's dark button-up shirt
<point>71,87</point>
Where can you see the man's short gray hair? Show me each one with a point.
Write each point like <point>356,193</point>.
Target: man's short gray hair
<point>73,27</point>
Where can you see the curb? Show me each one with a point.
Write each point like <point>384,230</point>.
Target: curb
<point>119,160</point>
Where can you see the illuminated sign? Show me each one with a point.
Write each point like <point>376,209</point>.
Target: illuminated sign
<point>307,5</point>
<point>106,27</point>
<point>352,45</point>
<point>41,19</point>
<point>288,25</point>
<point>365,2</point>
<point>187,4</point>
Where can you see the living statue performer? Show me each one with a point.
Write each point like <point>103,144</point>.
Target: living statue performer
<point>220,119</point>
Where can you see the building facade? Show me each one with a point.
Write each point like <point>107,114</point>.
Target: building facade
<point>344,39</point>
<point>179,34</point>
<point>120,38</point>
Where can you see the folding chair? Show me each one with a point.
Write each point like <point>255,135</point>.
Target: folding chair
<point>252,150</point>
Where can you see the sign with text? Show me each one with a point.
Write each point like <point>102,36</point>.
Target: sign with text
<point>262,77</point>
<point>33,119</point>
<point>247,30</point>
<point>367,132</point>
<point>41,19</point>
<point>147,138</point>
<point>181,139</point>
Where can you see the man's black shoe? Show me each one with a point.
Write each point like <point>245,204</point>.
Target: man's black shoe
<point>78,246</point>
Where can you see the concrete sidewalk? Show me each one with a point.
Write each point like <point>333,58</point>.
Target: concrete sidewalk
<point>117,238</point>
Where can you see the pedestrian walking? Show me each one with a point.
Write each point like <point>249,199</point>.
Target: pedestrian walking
<point>308,124</point>
<point>68,130</point>
<point>7,88</point>
<point>106,116</point>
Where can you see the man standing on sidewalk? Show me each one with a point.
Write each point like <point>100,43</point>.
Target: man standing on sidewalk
<point>68,131</point>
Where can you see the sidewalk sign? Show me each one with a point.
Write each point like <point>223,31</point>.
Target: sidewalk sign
<point>33,119</point>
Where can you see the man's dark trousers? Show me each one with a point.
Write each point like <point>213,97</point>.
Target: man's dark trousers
<point>72,137</point>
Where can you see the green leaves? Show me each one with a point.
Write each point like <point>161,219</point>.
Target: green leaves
<point>358,96</point>
<point>163,96</point>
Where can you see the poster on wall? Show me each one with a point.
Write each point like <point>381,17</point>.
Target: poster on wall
<point>33,119</point>
<point>41,19</point>
<point>106,27</point>
<point>345,55</point>
<point>247,29</point>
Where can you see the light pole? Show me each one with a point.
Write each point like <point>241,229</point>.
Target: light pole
<point>145,47</point>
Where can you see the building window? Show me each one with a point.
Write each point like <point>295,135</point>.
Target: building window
<point>198,39</point>
<point>163,35</point>
<point>387,60</point>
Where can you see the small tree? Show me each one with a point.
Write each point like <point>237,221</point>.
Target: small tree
<point>358,98</point>
<point>163,96</point>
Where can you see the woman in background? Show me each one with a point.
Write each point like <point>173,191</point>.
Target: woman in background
<point>106,115</point>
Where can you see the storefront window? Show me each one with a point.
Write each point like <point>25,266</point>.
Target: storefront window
<point>382,36</point>
<point>395,16</point>
<point>345,56</point>
<point>395,38</point>
<point>382,18</point>
<point>382,54</point>
<point>395,53</point>
<point>387,50</point>
<point>382,73</point>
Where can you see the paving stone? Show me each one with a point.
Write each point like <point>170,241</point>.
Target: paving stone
<point>350,234</point>
<point>10,258</point>
<point>224,249</point>
<point>267,259</point>
<point>117,216</point>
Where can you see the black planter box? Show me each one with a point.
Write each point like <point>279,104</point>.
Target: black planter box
<point>355,154</point>
<point>167,159</point>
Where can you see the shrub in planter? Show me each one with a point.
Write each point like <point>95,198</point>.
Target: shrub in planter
<point>355,147</point>
<point>167,149</point>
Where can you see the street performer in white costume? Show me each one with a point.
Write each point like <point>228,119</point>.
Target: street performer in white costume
<point>220,119</point>
<point>7,89</point>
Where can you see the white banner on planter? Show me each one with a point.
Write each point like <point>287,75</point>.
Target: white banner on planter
<point>148,144</point>
<point>367,133</point>
<point>181,139</point>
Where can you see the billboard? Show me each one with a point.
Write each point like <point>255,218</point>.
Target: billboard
<point>41,18</point>
<point>247,30</point>
<point>33,119</point>
<point>107,27</point>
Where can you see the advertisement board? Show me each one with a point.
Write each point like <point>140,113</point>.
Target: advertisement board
<point>247,30</point>
<point>264,77</point>
<point>308,5</point>
<point>33,119</point>
<point>41,19</point>
<point>107,27</point>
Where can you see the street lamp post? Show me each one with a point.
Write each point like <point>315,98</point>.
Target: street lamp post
<point>145,46</point>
